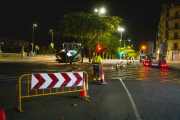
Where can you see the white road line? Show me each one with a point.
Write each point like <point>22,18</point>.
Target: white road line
<point>132,101</point>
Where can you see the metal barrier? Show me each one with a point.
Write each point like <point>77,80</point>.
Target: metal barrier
<point>50,91</point>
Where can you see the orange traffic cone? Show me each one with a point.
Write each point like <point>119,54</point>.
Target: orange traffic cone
<point>83,93</point>
<point>130,61</point>
<point>2,115</point>
<point>117,66</point>
<point>102,78</point>
<point>92,75</point>
<point>127,62</point>
<point>133,60</point>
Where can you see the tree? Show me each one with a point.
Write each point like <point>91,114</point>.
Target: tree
<point>87,28</point>
<point>129,52</point>
<point>44,50</point>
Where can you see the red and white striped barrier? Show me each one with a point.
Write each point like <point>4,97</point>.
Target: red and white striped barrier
<point>56,80</point>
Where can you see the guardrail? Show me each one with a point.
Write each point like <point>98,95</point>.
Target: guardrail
<point>55,78</point>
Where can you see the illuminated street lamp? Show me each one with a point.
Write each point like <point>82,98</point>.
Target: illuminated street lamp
<point>143,49</point>
<point>120,29</point>
<point>100,11</point>
<point>34,25</point>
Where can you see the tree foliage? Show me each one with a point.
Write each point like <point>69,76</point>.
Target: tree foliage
<point>88,27</point>
<point>130,52</point>
<point>48,50</point>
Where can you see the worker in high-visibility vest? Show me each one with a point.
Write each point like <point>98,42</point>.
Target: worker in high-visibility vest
<point>97,65</point>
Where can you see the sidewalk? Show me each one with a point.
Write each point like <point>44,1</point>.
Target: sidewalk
<point>174,64</point>
<point>26,59</point>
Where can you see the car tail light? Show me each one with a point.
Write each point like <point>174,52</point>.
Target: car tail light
<point>164,65</point>
<point>147,63</point>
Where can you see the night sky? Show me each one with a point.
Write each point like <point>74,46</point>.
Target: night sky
<point>140,18</point>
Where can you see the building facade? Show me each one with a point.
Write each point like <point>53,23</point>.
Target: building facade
<point>169,31</point>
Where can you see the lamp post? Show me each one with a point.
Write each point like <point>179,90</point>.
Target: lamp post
<point>100,11</point>
<point>33,37</point>
<point>126,40</point>
<point>1,43</point>
<point>120,29</point>
<point>143,50</point>
<point>52,44</point>
<point>52,35</point>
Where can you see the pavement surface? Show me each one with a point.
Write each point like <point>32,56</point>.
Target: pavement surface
<point>107,101</point>
<point>172,64</point>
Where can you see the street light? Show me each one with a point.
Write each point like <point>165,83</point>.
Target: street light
<point>101,11</point>
<point>52,44</point>
<point>126,40</point>
<point>143,50</point>
<point>120,29</point>
<point>52,35</point>
<point>33,36</point>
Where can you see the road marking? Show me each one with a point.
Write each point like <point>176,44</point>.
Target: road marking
<point>173,77</point>
<point>132,101</point>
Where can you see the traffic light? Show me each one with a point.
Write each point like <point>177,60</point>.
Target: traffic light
<point>99,49</point>
<point>120,53</point>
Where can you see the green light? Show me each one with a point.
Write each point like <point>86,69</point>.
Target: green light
<point>120,53</point>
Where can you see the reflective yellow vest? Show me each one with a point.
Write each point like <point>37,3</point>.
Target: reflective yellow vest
<point>97,59</point>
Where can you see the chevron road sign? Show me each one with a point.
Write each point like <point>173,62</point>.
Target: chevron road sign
<point>56,80</point>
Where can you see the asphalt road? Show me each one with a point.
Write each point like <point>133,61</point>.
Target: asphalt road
<point>134,92</point>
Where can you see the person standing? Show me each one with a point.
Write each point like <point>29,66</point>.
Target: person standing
<point>97,66</point>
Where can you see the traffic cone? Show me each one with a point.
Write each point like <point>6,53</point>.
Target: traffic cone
<point>117,66</point>
<point>102,78</point>
<point>130,61</point>
<point>92,75</point>
<point>133,60</point>
<point>83,93</point>
<point>127,62</point>
<point>2,115</point>
<point>121,66</point>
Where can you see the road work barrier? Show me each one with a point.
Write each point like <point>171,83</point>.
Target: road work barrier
<point>51,83</point>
